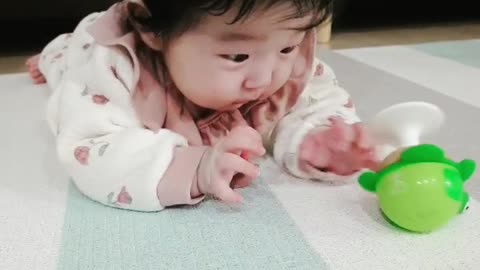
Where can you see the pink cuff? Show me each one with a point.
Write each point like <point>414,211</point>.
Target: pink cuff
<point>174,187</point>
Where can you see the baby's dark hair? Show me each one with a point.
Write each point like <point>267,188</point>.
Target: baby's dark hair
<point>172,18</point>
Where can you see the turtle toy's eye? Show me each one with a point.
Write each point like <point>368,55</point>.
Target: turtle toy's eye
<point>467,206</point>
<point>465,202</point>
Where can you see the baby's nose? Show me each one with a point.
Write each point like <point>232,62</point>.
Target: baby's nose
<point>258,80</point>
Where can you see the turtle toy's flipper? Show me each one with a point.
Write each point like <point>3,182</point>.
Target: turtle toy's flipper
<point>432,153</point>
<point>423,153</point>
<point>466,168</point>
<point>368,181</point>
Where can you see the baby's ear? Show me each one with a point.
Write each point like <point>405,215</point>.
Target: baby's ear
<point>138,16</point>
<point>137,9</point>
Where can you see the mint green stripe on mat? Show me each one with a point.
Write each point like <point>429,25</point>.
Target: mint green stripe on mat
<point>258,235</point>
<point>466,52</point>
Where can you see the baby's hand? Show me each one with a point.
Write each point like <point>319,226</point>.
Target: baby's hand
<point>343,149</point>
<point>222,168</point>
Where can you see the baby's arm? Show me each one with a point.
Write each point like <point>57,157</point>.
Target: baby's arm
<point>114,160</point>
<point>322,99</point>
<point>106,150</point>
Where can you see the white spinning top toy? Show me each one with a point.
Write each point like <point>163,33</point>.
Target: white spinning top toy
<point>405,124</point>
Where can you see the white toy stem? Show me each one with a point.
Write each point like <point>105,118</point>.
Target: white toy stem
<point>385,150</point>
<point>405,124</point>
<point>410,137</point>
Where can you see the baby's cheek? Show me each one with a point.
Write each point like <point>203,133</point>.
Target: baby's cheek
<point>296,65</point>
<point>226,84</point>
<point>280,77</point>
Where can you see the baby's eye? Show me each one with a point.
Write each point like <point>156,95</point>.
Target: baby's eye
<point>288,49</point>
<point>237,58</point>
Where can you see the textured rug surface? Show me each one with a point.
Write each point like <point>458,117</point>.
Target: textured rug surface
<point>285,223</point>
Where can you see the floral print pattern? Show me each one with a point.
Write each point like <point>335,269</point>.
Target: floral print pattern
<point>123,197</point>
<point>349,104</point>
<point>85,91</point>
<point>56,57</point>
<point>319,70</point>
<point>97,99</point>
<point>100,99</point>
<point>82,154</point>
<point>102,148</point>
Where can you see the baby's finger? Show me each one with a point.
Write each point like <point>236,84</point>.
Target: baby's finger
<point>241,181</point>
<point>243,144</point>
<point>29,61</point>
<point>322,158</point>
<point>39,80</point>
<point>340,136</point>
<point>307,147</point>
<point>36,72</point>
<point>341,163</point>
<point>246,131</point>
<point>235,164</point>
<point>245,155</point>
<point>35,75</point>
<point>251,157</point>
<point>391,158</point>
<point>319,156</point>
<point>223,192</point>
<point>308,168</point>
<point>362,138</point>
<point>372,165</point>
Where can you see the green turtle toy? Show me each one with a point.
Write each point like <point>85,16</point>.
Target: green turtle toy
<point>423,190</point>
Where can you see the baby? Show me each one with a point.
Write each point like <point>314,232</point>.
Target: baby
<point>160,103</point>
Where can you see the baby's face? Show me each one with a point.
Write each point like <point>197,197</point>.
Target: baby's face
<point>221,66</point>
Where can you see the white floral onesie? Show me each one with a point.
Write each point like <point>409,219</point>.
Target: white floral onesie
<point>126,146</point>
